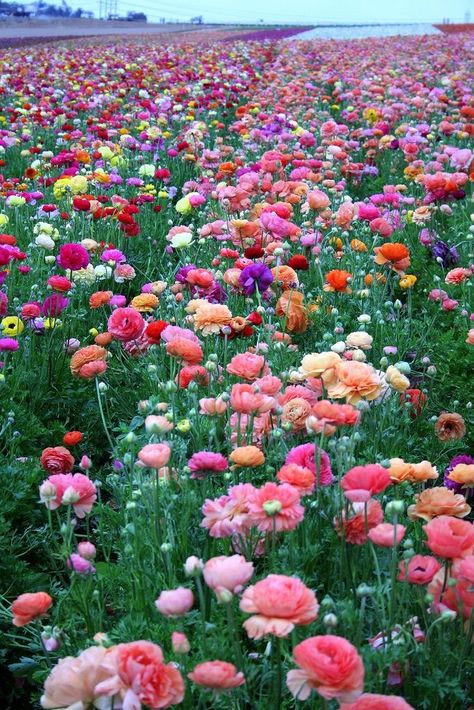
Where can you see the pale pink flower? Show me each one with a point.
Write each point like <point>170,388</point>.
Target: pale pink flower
<point>230,573</point>
<point>175,602</point>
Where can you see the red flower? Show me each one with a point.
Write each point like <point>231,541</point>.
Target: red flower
<point>71,438</point>
<point>417,400</point>
<point>253,253</point>
<point>153,330</point>
<point>299,262</point>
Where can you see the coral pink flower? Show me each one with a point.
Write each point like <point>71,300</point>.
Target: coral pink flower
<point>92,369</point>
<point>230,573</point>
<point>330,665</point>
<point>73,257</point>
<point>384,534</point>
<point>72,681</point>
<point>27,607</point>
<point>192,373</point>
<point>420,569</point>
<point>312,457</point>
<point>126,324</point>
<point>275,507</point>
<point>279,603</point>
<point>228,515</point>
<point>457,276</point>
<point>300,477</point>
<point>217,675</point>
<point>175,602</point>
<point>247,366</point>
<point>373,701</point>
<point>57,459</point>
<point>179,642</point>
<point>212,406</point>
<point>70,489</point>
<point>203,462</point>
<point>137,673</point>
<point>362,482</point>
<point>364,517</point>
<point>155,455</point>
<point>449,537</point>
<point>186,350</point>
<point>245,400</point>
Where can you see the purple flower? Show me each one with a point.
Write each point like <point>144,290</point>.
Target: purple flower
<point>460,458</point>
<point>54,305</point>
<point>255,276</point>
<point>449,255</point>
<point>80,564</point>
<point>182,273</point>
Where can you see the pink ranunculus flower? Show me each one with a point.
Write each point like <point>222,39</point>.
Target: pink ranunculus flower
<point>136,672</point>
<point>374,701</point>
<point>244,399</point>
<point>227,573</point>
<point>155,455</point>
<point>275,507</point>
<point>362,482</point>
<point>279,603</point>
<point>175,602</point>
<point>72,681</point>
<point>79,490</point>
<point>330,665</point>
<point>73,257</point>
<point>248,366</point>
<point>217,675</point>
<point>203,462</point>
<point>80,565</point>
<point>180,643</point>
<point>307,455</point>
<point>126,324</point>
<point>228,515</point>
<point>386,534</point>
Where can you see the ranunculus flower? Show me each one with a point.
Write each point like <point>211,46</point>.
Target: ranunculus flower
<point>217,675</point>
<point>420,569</point>
<point>57,459</point>
<point>155,455</point>
<point>437,501</point>
<point>175,602</point>
<point>449,537</point>
<point>230,573</point>
<point>362,482</point>
<point>180,643</point>
<point>386,534</point>
<point>126,324</point>
<point>373,701</point>
<point>27,607</point>
<point>275,507</point>
<point>279,603</point>
<point>73,257</point>
<point>330,665</point>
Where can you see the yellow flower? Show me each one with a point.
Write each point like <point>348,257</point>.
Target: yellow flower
<point>3,219</point>
<point>145,302</point>
<point>407,281</point>
<point>51,323</point>
<point>12,326</point>
<point>105,152</point>
<point>184,425</point>
<point>16,201</point>
<point>183,206</point>
<point>78,184</point>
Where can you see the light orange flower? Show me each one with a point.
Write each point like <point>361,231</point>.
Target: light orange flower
<point>247,456</point>
<point>145,302</point>
<point>438,501</point>
<point>211,317</point>
<point>290,307</point>
<point>354,381</point>
<point>85,355</point>
<point>285,276</point>
<point>463,473</point>
<point>401,471</point>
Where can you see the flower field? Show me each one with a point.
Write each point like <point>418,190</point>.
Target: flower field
<point>237,330</point>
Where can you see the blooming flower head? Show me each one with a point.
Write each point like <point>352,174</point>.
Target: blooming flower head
<point>279,603</point>
<point>217,675</point>
<point>28,607</point>
<point>275,507</point>
<point>227,573</point>
<point>255,276</point>
<point>362,482</point>
<point>449,537</point>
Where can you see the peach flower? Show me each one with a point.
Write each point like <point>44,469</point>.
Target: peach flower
<point>401,471</point>
<point>373,701</point>
<point>279,603</point>
<point>450,425</point>
<point>136,672</point>
<point>85,355</point>
<point>217,675</point>
<point>470,337</point>
<point>211,317</point>
<point>28,607</point>
<point>386,534</point>
<point>300,477</point>
<point>290,307</point>
<point>250,456</point>
<point>320,365</point>
<point>285,276</point>
<point>154,455</point>
<point>449,537</point>
<point>463,473</point>
<point>295,412</point>
<point>330,665</point>
<point>185,349</point>
<point>230,573</point>
<point>72,681</point>
<point>354,381</point>
<point>436,501</point>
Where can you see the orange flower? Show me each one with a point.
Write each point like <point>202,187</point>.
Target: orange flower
<point>393,253</point>
<point>85,355</point>
<point>285,276</point>
<point>100,298</point>
<point>247,456</point>
<point>103,339</point>
<point>463,473</point>
<point>401,471</point>
<point>337,280</point>
<point>145,302</point>
<point>290,306</point>
<point>185,349</point>
<point>357,245</point>
<point>29,606</point>
<point>295,412</point>
<point>438,501</point>
<point>211,317</point>
<point>71,438</point>
<point>450,426</point>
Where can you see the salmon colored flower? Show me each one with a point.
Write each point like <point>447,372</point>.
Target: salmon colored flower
<point>320,365</point>
<point>285,276</point>
<point>386,534</point>
<point>28,607</point>
<point>186,350</point>
<point>419,569</point>
<point>463,474</point>
<point>362,482</point>
<point>139,676</point>
<point>300,477</point>
<point>330,665</point>
<point>100,298</point>
<point>275,507</point>
<point>362,518</point>
<point>373,701</point>
<point>247,456</point>
<point>218,675</point>
<point>279,603</point>
<point>450,425</point>
<point>83,356</point>
<point>155,455</point>
<point>211,317</point>
<point>92,369</point>
<point>57,459</point>
<point>436,501</point>
<point>247,366</point>
<point>449,537</point>
<point>244,399</point>
<point>145,302</point>
<point>295,413</point>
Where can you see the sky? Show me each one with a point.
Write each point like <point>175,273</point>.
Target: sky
<point>294,12</point>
